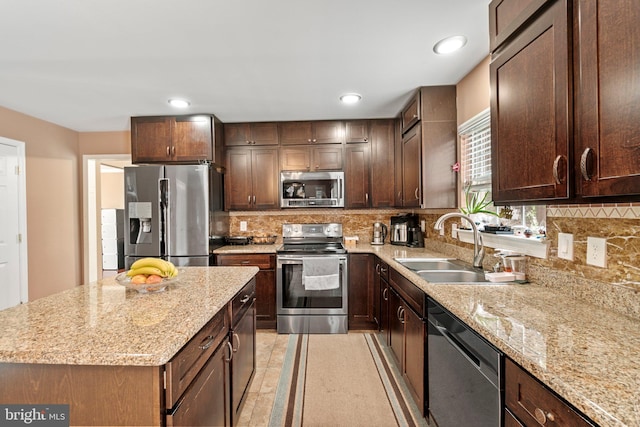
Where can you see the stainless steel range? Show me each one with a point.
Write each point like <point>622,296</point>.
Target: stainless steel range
<point>312,280</point>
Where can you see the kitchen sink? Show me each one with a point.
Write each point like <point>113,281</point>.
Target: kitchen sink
<point>417,264</point>
<point>444,270</point>
<point>452,276</point>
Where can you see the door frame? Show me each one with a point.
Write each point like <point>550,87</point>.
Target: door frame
<point>91,215</point>
<point>23,268</point>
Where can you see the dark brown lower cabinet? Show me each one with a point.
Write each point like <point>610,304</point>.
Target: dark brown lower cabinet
<point>396,327</point>
<point>206,402</point>
<point>361,292</point>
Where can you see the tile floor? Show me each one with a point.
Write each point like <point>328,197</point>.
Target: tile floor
<point>270,350</point>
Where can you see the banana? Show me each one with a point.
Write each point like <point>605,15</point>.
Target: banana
<point>159,267</point>
<point>146,271</point>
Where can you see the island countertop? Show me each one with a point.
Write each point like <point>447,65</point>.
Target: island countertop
<point>103,323</point>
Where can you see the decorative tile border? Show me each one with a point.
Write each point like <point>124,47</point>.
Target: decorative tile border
<point>607,211</point>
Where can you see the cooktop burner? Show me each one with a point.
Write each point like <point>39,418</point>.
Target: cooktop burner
<point>312,239</point>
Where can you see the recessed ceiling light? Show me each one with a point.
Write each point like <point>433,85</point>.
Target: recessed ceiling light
<point>350,98</point>
<point>450,44</point>
<point>179,103</point>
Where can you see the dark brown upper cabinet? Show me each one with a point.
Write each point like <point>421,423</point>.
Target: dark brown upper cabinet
<point>531,111</point>
<point>356,131</point>
<point>316,132</point>
<point>507,16</point>
<point>315,158</point>
<point>565,123</point>
<point>176,139</point>
<point>250,134</point>
<point>251,180</point>
<point>410,114</point>
<point>607,83</point>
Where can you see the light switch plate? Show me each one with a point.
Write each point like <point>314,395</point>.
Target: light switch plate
<point>597,251</point>
<point>565,246</point>
<point>243,225</point>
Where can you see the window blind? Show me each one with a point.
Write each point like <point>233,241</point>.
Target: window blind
<point>475,147</point>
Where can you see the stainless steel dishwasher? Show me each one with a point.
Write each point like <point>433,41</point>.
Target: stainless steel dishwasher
<point>464,373</point>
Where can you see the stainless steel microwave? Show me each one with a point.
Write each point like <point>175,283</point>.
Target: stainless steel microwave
<point>312,189</point>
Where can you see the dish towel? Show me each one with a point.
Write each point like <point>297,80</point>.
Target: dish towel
<point>320,274</point>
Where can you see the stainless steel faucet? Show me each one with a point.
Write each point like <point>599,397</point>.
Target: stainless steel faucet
<point>478,248</point>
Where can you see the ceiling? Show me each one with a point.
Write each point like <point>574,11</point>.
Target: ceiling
<point>90,65</point>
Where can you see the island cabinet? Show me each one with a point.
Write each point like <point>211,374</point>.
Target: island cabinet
<point>176,139</point>
<point>408,334</point>
<point>251,180</point>
<point>313,132</point>
<point>243,345</point>
<point>265,283</point>
<point>569,131</point>
<point>362,313</point>
<point>529,403</point>
<point>259,133</point>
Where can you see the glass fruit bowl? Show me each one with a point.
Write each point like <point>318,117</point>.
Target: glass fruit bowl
<point>144,288</point>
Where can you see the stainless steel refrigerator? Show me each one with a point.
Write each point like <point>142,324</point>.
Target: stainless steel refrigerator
<point>173,212</point>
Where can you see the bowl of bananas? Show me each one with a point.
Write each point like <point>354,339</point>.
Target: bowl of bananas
<point>148,275</point>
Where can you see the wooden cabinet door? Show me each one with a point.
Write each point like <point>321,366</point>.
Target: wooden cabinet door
<point>411,167</point>
<point>192,139</point>
<point>361,285</point>
<point>397,164</point>
<point>265,184</point>
<point>381,194</point>
<point>150,139</point>
<point>356,131</point>
<point>507,16</point>
<point>243,363</point>
<point>264,133</point>
<point>414,358</point>
<point>295,159</point>
<point>531,116</point>
<point>326,157</point>
<point>607,82</point>
<point>238,179</point>
<point>266,299</point>
<point>261,133</point>
<point>356,176</point>
<point>411,113</point>
<point>384,310</point>
<point>396,327</point>
<point>236,134</point>
<point>295,133</point>
<point>207,401</point>
<point>329,132</point>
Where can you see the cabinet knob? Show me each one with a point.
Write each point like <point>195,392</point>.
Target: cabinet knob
<point>309,141</point>
<point>586,161</point>
<point>542,416</point>
<point>415,116</point>
<point>314,140</point>
<point>248,142</point>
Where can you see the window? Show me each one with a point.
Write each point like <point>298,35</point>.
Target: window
<point>475,167</point>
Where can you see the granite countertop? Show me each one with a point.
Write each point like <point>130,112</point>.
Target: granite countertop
<point>247,249</point>
<point>584,353</point>
<point>103,323</point>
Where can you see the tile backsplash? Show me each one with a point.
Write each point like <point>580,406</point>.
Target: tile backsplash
<point>618,223</point>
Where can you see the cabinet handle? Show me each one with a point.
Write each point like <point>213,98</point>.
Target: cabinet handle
<point>365,139</point>
<point>585,164</point>
<point>249,199</point>
<point>248,142</point>
<point>208,343</point>
<point>245,261</point>
<point>377,268</point>
<point>542,416</point>
<point>385,294</point>
<point>254,199</point>
<point>402,315</point>
<point>314,140</point>
<point>415,193</point>
<point>236,337</point>
<point>556,170</point>
<point>245,299</point>
<point>168,151</point>
<point>309,141</point>
<point>173,150</point>
<point>415,116</point>
<point>382,269</point>
<point>230,347</point>
<point>366,198</point>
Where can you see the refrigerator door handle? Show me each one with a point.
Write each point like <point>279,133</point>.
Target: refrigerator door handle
<point>164,190</point>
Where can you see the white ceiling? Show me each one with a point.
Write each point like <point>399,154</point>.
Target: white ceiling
<point>91,64</point>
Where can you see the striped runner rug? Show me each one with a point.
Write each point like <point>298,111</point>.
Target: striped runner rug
<point>341,380</point>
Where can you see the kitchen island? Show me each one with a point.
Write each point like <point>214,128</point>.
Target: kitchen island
<point>110,352</point>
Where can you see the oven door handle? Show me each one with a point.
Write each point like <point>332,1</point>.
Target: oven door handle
<point>298,260</point>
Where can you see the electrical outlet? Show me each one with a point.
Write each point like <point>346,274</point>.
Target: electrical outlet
<point>243,225</point>
<point>565,246</point>
<point>597,251</point>
<point>454,231</point>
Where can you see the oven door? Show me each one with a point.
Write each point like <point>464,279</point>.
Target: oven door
<point>294,299</point>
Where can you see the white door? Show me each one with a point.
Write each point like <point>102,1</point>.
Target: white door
<point>11,282</point>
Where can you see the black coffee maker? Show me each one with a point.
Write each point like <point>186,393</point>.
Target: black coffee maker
<point>404,230</point>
